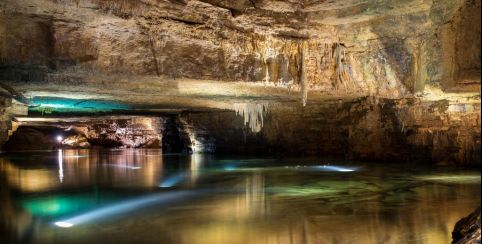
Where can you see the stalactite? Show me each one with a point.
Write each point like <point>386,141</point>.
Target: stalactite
<point>253,114</point>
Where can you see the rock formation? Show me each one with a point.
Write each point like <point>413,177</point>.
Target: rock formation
<point>467,230</point>
<point>404,74</point>
<point>133,132</point>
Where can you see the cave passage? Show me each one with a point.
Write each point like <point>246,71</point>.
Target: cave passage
<point>247,121</point>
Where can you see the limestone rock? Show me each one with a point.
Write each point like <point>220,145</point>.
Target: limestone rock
<point>467,230</point>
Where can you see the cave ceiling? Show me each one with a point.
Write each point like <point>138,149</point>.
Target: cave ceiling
<point>175,55</point>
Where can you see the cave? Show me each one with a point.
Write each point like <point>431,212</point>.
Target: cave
<point>247,121</point>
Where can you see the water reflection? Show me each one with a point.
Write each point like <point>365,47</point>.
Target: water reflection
<point>32,173</point>
<point>144,196</point>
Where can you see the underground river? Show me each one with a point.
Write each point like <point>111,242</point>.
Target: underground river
<point>144,196</point>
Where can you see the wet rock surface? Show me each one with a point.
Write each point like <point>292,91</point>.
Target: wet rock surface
<point>467,230</point>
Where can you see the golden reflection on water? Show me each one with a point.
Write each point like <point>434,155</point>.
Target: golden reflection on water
<point>238,220</point>
<point>248,206</point>
<point>137,168</point>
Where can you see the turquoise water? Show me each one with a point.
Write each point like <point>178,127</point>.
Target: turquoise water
<point>125,196</point>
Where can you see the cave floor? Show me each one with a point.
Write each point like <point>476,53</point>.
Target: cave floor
<point>140,195</point>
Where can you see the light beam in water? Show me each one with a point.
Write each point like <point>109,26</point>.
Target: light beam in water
<point>172,180</point>
<point>123,207</point>
<point>328,168</point>
<point>336,168</point>
<point>230,167</point>
<point>63,224</point>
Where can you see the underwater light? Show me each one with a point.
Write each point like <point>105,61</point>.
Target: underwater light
<point>337,168</point>
<point>328,168</point>
<point>230,167</point>
<point>59,138</point>
<point>64,224</point>
<point>125,206</point>
<point>172,181</point>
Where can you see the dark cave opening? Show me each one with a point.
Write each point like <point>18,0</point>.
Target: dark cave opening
<point>174,138</point>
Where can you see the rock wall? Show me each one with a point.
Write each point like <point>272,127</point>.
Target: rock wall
<point>404,130</point>
<point>387,49</point>
<point>131,132</point>
<point>460,42</point>
<point>169,132</point>
<point>110,132</point>
<point>408,130</point>
<point>375,63</point>
<point>9,108</point>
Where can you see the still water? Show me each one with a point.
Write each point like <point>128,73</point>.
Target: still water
<point>142,196</point>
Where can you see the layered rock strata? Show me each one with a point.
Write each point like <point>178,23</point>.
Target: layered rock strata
<point>388,49</point>
<point>405,130</point>
<point>353,79</point>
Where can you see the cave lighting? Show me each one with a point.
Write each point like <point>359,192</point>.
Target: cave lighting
<point>61,167</point>
<point>230,167</point>
<point>335,168</point>
<point>63,104</point>
<point>123,207</point>
<point>59,138</point>
<point>172,181</point>
<point>328,168</point>
<point>63,224</point>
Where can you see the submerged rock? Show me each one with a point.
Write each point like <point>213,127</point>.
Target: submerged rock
<point>467,230</point>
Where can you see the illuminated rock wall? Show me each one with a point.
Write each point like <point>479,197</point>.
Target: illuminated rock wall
<point>405,130</point>
<point>110,132</point>
<point>170,132</point>
<point>394,51</point>
<point>8,109</point>
<point>388,49</point>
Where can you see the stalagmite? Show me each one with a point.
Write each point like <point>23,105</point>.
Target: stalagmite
<point>253,114</point>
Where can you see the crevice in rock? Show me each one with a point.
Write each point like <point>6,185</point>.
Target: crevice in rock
<point>184,21</point>
<point>174,137</point>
